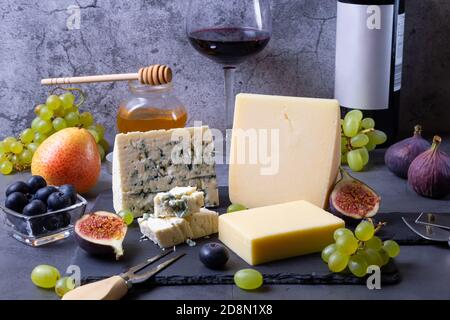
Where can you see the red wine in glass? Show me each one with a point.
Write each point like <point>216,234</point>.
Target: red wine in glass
<point>229,46</point>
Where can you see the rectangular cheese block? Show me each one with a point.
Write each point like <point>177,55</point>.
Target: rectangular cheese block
<point>277,232</point>
<point>146,163</point>
<point>283,149</point>
<point>171,231</point>
<point>178,202</point>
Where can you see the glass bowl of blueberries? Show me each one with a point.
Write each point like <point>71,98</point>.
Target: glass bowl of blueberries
<point>36,214</point>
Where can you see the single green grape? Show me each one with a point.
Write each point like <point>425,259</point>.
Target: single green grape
<point>33,147</point>
<point>391,248</point>
<point>38,108</point>
<point>364,155</point>
<point>368,123</point>
<point>355,160</point>
<point>373,257</point>
<point>95,135</point>
<point>14,158</point>
<point>67,100</point>
<point>59,124</point>
<point>39,137</point>
<point>344,144</point>
<point>104,144</point>
<point>364,231</point>
<point>127,216</point>
<point>8,141</point>
<point>344,159</point>
<point>101,151</point>
<point>337,261</point>
<point>374,243</point>
<point>53,102</point>
<point>360,140</point>
<point>342,232</point>
<point>26,157</point>
<point>6,167</point>
<point>248,279</point>
<point>328,251</point>
<point>16,147</point>
<point>347,244</point>
<point>384,257</point>
<point>72,119</point>
<point>27,135</point>
<point>45,276</point>
<point>235,207</point>
<point>370,146</point>
<point>64,285</point>
<point>35,123</point>
<point>357,265</point>
<point>45,113</point>
<point>377,137</point>
<point>86,119</point>
<point>44,126</point>
<point>350,127</point>
<point>354,114</point>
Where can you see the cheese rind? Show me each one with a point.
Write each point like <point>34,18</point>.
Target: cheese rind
<point>277,232</point>
<point>146,163</point>
<point>179,202</point>
<point>171,231</point>
<point>305,159</point>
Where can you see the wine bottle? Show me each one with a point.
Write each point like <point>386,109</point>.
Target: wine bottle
<point>369,59</point>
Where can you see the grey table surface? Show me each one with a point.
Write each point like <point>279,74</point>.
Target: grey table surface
<point>425,270</point>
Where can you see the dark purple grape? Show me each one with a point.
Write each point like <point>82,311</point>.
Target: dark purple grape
<point>213,255</point>
<point>57,201</point>
<point>16,201</point>
<point>35,208</point>
<point>18,186</point>
<point>69,190</point>
<point>43,193</point>
<point>35,183</point>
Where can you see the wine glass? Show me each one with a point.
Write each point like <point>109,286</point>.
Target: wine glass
<point>228,32</point>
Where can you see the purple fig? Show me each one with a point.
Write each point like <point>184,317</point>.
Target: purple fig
<point>429,173</point>
<point>399,156</point>
<point>352,198</point>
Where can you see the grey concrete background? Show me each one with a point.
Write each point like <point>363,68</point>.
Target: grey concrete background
<point>121,36</point>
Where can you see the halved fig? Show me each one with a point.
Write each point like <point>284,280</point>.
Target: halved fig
<point>352,198</point>
<point>101,233</point>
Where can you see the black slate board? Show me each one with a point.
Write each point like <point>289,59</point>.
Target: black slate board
<point>309,269</point>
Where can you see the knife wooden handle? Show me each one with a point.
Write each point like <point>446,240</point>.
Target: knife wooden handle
<point>113,288</point>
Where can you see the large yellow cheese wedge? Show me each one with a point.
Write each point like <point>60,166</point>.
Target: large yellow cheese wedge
<point>276,232</point>
<point>283,149</point>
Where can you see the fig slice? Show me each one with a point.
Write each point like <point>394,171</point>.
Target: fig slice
<point>101,233</point>
<point>352,198</point>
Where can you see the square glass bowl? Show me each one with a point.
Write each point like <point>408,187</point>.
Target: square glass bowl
<point>44,228</point>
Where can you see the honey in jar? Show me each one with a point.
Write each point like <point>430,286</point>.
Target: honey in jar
<point>150,108</point>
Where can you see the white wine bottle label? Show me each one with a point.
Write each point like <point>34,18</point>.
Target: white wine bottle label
<point>363,55</point>
<point>399,52</point>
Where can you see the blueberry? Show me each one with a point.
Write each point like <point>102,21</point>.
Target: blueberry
<point>69,190</point>
<point>57,201</point>
<point>57,221</point>
<point>35,183</point>
<point>16,201</point>
<point>18,186</point>
<point>36,227</point>
<point>213,255</point>
<point>43,193</point>
<point>34,208</point>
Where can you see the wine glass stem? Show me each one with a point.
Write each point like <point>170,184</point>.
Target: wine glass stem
<point>229,95</point>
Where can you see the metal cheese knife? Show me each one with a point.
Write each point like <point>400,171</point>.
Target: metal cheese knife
<point>434,219</point>
<point>116,287</point>
<point>428,232</point>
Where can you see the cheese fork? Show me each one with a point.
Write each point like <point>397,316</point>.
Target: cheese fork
<point>116,287</point>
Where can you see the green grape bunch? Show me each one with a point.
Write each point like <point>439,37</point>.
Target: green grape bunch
<point>358,250</point>
<point>57,113</point>
<point>358,138</point>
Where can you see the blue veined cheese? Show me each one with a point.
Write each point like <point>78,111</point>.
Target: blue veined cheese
<point>147,163</point>
<point>171,231</point>
<point>179,202</point>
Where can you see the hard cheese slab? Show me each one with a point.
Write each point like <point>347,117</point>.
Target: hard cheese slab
<point>308,269</point>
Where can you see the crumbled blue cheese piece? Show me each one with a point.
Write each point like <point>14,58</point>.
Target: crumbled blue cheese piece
<point>147,163</point>
<point>179,202</point>
<point>171,231</point>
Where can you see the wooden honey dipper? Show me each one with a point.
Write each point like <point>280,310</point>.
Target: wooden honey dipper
<point>152,75</point>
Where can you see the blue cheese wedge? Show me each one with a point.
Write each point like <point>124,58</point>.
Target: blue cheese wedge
<point>179,202</point>
<point>172,231</point>
<point>147,163</point>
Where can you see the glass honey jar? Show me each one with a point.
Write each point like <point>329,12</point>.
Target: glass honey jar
<point>150,108</point>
